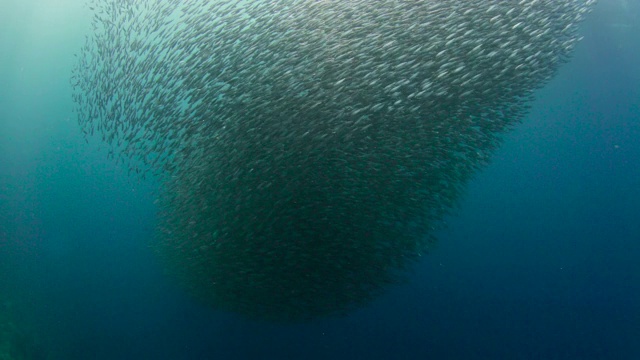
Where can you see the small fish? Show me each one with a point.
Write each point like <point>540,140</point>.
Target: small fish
<point>322,142</point>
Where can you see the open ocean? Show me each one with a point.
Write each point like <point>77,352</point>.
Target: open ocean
<point>541,260</point>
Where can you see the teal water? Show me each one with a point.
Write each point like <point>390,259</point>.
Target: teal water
<point>539,262</point>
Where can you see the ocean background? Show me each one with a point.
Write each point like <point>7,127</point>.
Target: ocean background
<point>540,261</point>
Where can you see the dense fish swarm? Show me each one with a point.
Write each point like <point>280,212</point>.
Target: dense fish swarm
<point>308,148</point>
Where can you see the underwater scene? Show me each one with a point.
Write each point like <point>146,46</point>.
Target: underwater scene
<point>319,179</point>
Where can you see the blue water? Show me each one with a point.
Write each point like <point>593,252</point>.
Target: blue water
<point>541,261</point>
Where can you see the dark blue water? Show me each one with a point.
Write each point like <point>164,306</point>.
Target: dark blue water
<point>541,261</point>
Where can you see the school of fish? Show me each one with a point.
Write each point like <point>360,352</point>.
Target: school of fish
<point>308,149</point>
